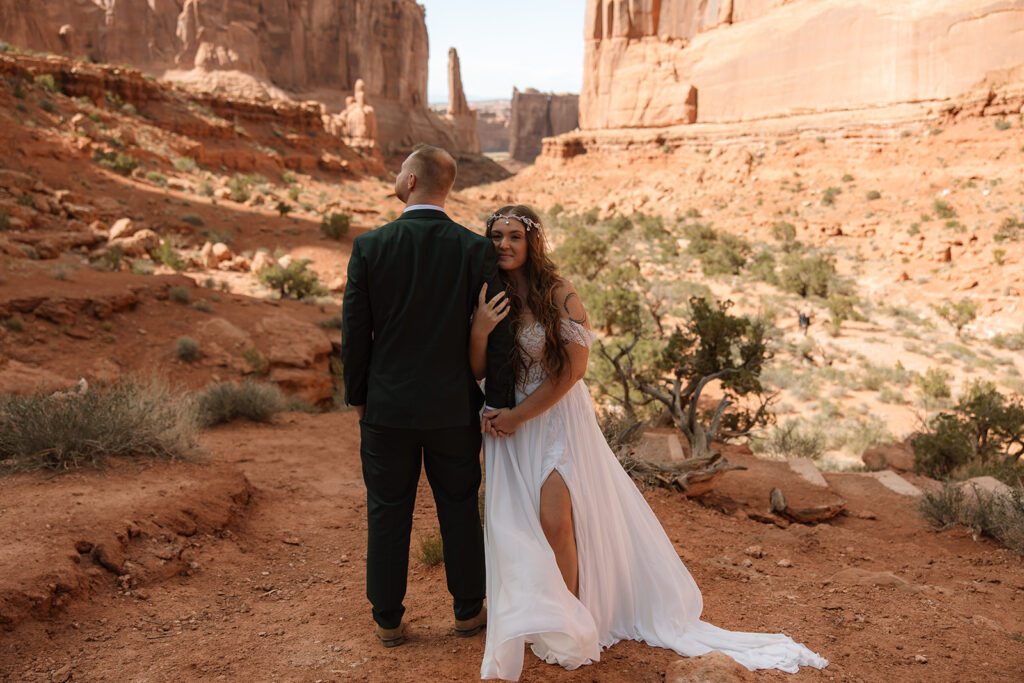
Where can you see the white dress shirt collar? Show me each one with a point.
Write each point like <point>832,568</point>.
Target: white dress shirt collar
<point>417,207</point>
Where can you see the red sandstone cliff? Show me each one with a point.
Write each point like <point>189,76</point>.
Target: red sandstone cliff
<point>305,49</point>
<point>537,115</point>
<point>657,63</point>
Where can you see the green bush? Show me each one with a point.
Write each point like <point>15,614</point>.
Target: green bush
<point>157,178</point>
<point>720,253</point>
<point>983,428</point>
<point>47,82</point>
<point>998,516</point>
<point>813,275</point>
<point>127,419</point>
<point>14,324</point>
<point>335,225</point>
<point>186,349</point>
<point>792,440</point>
<point>5,222</point>
<point>958,314</point>
<point>283,209</point>
<point>944,210</point>
<point>828,198</point>
<point>582,252</point>
<point>294,282</point>
<point>179,295</point>
<point>783,231</point>
<point>227,401</point>
<point>118,162</point>
<point>332,323</point>
<point>431,550</point>
<point>934,383</point>
<point>192,219</point>
<point>186,164</point>
<point>1010,229</point>
<point>166,255</point>
<point>240,187</point>
<point>1002,124</point>
<point>873,195</point>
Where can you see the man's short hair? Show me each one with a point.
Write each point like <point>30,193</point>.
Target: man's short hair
<point>434,169</point>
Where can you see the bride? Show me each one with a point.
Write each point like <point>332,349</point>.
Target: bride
<point>576,560</point>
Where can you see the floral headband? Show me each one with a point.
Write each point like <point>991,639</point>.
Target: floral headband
<point>529,223</point>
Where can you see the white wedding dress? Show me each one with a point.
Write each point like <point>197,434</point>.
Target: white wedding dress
<point>632,583</point>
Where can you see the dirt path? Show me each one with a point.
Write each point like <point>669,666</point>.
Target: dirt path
<point>279,594</point>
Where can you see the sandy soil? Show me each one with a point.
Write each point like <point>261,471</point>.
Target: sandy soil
<point>272,586</point>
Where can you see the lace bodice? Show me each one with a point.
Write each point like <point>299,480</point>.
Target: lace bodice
<point>531,343</point>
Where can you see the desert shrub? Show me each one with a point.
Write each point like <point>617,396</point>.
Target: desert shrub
<point>1002,124</point>
<point>157,177</point>
<point>186,164</point>
<point>192,219</point>
<point>847,178</point>
<point>166,255</point>
<point>583,252</point>
<point>227,401</point>
<point>874,377</point>
<point>943,209</point>
<point>109,260</point>
<point>293,194</point>
<point>335,225</point>
<point>283,209</point>
<point>983,428</point>
<point>1013,341</point>
<point>47,82</point>
<point>431,550</point>
<point>1010,229</point>
<point>762,267</point>
<point>828,197</point>
<point>14,324</point>
<point>783,231</point>
<point>813,275</point>
<point>240,187</point>
<point>119,162</point>
<point>296,281</point>
<point>289,178</point>
<point>792,439</point>
<point>202,306</point>
<point>186,349</point>
<point>179,295</point>
<point>934,383</point>
<point>873,195</point>
<point>141,266</point>
<point>998,516</point>
<point>256,361</point>
<point>999,257</point>
<point>5,222</point>
<point>958,314</point>
<point>613,303</point>
<point>720,253</point>
<point>130,418</point>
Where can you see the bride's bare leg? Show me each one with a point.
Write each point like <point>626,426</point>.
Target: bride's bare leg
<point>556,520</point>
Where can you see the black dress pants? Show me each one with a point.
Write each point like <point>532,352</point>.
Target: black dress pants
<point>391,470</point>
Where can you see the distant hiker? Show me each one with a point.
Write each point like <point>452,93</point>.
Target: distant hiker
<point>805,321</point>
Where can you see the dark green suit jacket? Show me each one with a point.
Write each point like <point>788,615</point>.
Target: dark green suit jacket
<point>412,287</point>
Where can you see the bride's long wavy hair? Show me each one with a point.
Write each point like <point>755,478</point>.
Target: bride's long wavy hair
<point>542,281</point>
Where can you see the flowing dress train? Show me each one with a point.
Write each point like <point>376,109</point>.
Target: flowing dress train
<point>632,583</point>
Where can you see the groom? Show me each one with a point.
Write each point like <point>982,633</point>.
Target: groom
<point>412,287</point>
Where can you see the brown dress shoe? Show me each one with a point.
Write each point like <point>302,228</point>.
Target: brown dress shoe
<point>391,637</point>
<point>464,628</point>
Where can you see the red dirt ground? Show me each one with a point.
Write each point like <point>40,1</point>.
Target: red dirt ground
<point>266,578</point>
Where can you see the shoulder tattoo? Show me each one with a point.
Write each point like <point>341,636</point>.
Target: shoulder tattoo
<point>582,320</point>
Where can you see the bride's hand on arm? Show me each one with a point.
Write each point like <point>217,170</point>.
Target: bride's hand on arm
<point>488,315</point>
<point>551,390</point>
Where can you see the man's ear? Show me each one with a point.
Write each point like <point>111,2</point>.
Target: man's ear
<point>411,182</point>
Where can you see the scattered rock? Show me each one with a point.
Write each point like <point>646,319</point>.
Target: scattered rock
<point>920,659</point>
<point>784,563</point>
<point>809,514</point>
<point>261,261</point>
<point>714,667</point>
<point>122,227</point>
<point>754,551</point>
<point>139,244</point>
<point>899,457</point>
<point>222,252</point>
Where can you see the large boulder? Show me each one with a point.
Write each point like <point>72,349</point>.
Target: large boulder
<point>899,457</point>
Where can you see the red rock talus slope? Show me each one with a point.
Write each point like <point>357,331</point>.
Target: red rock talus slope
<point>650,63</point>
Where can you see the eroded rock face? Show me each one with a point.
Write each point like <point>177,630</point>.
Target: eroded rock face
<point>462,117</point>
<point>537,115</point>
<point>647,60</point>
<point>299,46</point>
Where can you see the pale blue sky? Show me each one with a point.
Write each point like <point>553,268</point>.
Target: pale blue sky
<point>523,43</point>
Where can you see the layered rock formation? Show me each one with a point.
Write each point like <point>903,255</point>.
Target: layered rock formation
<point>537,115</point>
<point>306,49</point>
<point>462,117</point>
<point>647,60</point>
